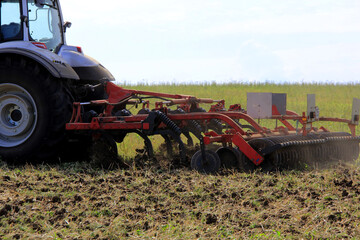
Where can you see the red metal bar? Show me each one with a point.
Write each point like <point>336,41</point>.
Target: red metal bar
<point>246,149</point>
<point>208,116</point>
<point>291,113</point>
<point>190,100</point>
<point>300,118</point>
<point>352,129</point>
<point>275,111</point>
<point>326,119</point>
<point>250,120</point>
<point>117,94</point>
<point>211,137</point>
<point>220,138</point>
<point>107,126</point>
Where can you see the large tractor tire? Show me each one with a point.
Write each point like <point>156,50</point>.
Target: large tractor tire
<point>34,108</point>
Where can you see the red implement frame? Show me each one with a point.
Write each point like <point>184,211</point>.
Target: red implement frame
<point>235,135</point>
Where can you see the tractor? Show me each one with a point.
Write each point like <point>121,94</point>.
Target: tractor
<point>40,78</point>
<point>55,102</point>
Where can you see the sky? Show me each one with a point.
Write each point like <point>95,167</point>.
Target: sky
<point>198,41</point>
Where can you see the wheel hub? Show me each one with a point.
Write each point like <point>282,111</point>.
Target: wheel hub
<point>18,115</point>
<point>15,115</point>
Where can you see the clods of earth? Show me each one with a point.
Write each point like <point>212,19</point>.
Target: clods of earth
<point>77,201</point>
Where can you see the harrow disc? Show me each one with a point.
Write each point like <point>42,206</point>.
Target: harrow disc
<point>229,157</point>
<point>297,151</point>
<point>244,163</point>
<point>210,163</point>
<point>342,146</point>
<point>271,162</point>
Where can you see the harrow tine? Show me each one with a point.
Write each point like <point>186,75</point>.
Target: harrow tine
<point>169,147</point>
<point>181,145</point>
<point>186,133</point>
<point>147,142</point>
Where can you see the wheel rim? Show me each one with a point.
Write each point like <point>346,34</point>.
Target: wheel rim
<point>211,165</point>
<point>18,115</point>
<point>229,157</point>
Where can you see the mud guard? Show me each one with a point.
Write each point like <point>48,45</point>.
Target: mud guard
<point>57,68</point>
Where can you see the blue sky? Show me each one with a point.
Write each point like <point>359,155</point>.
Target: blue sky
<point>220,40</point>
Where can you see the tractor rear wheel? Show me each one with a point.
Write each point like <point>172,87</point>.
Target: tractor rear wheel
<point>34,108</point>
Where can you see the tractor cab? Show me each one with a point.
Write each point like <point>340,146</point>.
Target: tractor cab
<point>35,29</point>
<point>37,21</point>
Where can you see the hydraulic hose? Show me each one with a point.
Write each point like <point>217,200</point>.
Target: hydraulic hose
<point>193,125</point>
<point>167,121</point>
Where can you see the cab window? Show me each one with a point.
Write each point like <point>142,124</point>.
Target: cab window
<point>45,23</point>
<point>10,20</point>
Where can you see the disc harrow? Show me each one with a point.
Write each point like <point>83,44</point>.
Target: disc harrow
<point>242,142</point>
<point>298,151</point>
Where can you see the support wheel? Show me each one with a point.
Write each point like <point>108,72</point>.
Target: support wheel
<point>229,157</point>
<point>210,164</point>
<point>34,108</point>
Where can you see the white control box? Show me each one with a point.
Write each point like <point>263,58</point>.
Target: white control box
<point>260,105</point>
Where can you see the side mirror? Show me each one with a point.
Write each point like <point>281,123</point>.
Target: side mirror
<point>67,25</point>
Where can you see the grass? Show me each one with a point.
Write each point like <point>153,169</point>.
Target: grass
<point>78,200</point>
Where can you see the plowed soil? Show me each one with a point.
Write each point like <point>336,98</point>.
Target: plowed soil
<point>78,201</point>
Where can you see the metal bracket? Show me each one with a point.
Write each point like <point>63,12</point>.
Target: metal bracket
<point>151,121</point>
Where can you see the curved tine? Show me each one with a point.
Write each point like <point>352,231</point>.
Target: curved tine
<point>186,132</point>
<point>147,142</point>
<point>169,147</point>
<point>190,141</point>
<point>182,148</point>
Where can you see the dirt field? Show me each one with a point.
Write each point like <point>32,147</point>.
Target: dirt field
<point>78,201</point>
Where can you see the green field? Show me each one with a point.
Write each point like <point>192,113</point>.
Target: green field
<point>79,200</point>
